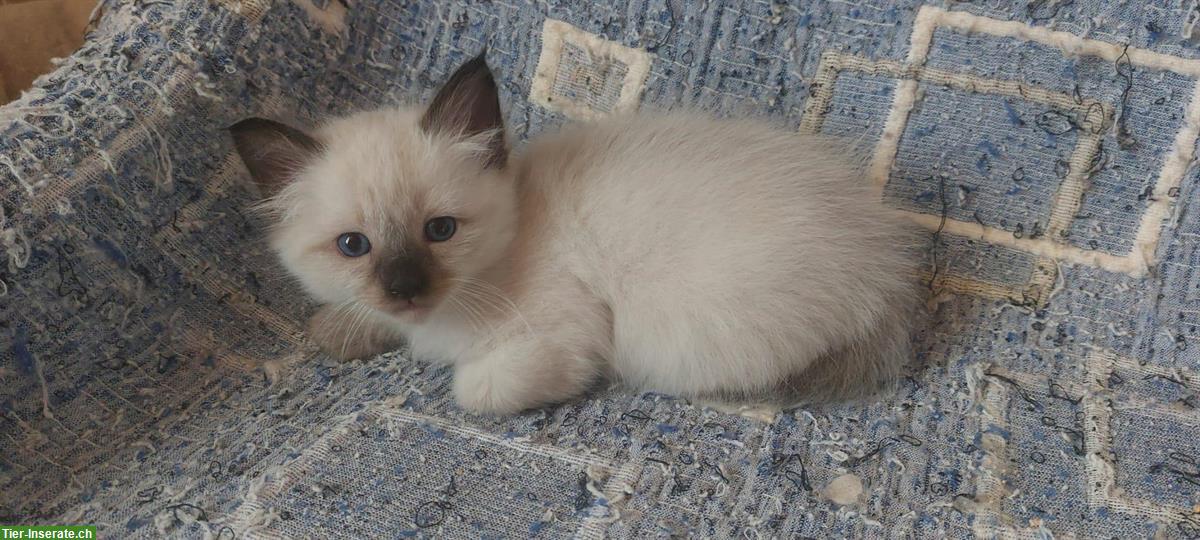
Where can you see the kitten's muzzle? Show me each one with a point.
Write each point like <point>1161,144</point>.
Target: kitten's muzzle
<point>405,278</point>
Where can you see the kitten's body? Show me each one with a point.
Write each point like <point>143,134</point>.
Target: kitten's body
<point>675,252</point>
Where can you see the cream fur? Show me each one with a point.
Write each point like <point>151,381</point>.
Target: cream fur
<point>674,252</point>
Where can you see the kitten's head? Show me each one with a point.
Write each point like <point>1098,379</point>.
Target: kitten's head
<point>390,209</point>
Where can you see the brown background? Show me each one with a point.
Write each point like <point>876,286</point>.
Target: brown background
<point>31,33</point>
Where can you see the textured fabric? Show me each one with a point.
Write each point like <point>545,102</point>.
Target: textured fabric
<point>155,379</point>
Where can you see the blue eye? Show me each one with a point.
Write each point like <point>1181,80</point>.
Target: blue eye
<point>353,244</point>
<point>440,229</point>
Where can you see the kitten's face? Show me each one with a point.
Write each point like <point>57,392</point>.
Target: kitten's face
<point>390,209</point>
<point>391,217</point>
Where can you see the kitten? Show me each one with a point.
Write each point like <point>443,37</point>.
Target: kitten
<point>673,252</point>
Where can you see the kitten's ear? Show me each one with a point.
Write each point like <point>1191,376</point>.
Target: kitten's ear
<point>468,104</point>
<point>272,151</point>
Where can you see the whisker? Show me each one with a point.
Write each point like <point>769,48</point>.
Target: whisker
<point>341,315</point>
<point>479,310</point>
<point>487,292</point>
<point>360,319</point>
<point>465,310</point>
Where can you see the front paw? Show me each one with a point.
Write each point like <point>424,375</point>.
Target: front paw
<point>342,337</point>
<point>485,388</point>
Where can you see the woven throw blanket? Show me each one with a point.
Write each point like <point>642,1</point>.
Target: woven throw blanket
<point>155,379</point>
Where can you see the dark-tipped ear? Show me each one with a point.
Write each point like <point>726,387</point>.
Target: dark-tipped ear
<point>272,151</point>
<point>468,104</point>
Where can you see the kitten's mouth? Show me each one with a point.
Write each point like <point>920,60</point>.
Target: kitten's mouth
<point>408,309</point>
<point>409,305</point>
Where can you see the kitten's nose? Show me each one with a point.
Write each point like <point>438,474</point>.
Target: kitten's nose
<point>405,278</point>
<point>405,287</point>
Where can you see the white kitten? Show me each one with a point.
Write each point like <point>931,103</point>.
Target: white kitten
<point>674,252</point>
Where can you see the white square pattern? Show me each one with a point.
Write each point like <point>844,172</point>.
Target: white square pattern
<point>585,76</point>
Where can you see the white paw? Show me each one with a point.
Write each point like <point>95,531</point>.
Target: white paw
<point>484,387</point>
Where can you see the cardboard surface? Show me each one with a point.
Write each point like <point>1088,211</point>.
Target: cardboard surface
<point>31,33</point>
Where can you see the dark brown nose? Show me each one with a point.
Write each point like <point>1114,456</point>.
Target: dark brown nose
<point>404,278</point>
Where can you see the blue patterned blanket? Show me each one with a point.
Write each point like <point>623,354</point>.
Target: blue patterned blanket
<point>155,379</point>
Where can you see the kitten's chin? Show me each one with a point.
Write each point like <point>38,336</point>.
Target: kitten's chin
<point>407,313</point>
